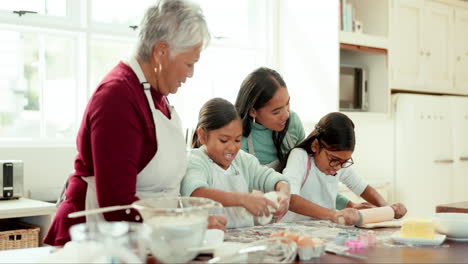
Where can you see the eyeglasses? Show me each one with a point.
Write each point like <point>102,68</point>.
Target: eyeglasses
<point>334,162</point>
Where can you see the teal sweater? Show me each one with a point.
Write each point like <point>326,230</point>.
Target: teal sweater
<point>262,139</point>
<point>199,173</point>
<point>265,150</point>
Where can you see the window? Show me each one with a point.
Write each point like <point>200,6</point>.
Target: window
<point>53,59</point>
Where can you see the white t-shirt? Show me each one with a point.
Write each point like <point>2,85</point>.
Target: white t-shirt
<point>319,188</point>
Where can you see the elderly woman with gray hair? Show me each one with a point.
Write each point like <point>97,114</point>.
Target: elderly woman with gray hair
<point>130,143</point>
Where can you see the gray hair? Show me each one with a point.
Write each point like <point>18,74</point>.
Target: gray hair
<point>180,23</point>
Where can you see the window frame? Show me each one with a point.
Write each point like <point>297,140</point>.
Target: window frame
<point>78,24</point>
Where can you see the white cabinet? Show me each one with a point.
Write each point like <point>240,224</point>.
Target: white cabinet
<point>431,151</point>
<point>461,51</point>
<point>438,47</point>
<point>423,152</point>
<point>422,46</point>
<point>459,114</point>
<point>407,53</point>
<point>368,50</point>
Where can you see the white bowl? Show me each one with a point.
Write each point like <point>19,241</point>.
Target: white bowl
<point>178,223</point>
<point>454,225</point>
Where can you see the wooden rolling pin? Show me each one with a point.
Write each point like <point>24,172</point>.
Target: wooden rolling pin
<point>375,215</point>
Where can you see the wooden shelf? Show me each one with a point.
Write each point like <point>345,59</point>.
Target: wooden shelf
<point>360,39</point>
<point>23,207</point>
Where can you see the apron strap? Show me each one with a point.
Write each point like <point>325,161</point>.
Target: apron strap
<point>289,141</point>
<point>309,165</point>
<point>250,145</point>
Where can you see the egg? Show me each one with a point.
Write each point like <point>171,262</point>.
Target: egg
<point>277,234</point>
<point>305,241</point>
<point>292,236</point>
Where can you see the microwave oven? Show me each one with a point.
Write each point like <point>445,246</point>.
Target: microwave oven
<point>353,88</point>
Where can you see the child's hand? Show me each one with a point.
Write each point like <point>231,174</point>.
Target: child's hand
<point>284,195</point>
<point>283,200</point>
<point>400,210</point>
<point>217,222</point>
<point>347,216</point>
<point>359,206</point>
<point>257,204</point>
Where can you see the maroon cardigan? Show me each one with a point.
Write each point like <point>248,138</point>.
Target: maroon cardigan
<point>115,142</point>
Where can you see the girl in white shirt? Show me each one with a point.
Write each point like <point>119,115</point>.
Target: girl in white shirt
<point>315,167</point>
<point>219,170</point>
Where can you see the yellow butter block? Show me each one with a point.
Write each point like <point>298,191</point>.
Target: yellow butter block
<point>418,228</point>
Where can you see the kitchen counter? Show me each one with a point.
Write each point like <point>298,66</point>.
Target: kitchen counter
<point>384,251</point>
<point>29,211</point>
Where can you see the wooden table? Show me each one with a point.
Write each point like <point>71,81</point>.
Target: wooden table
<point>449,252</point>
<point>460,207</point>
<point>385,251</point>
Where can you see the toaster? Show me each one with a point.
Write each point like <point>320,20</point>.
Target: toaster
<point>11,179</point>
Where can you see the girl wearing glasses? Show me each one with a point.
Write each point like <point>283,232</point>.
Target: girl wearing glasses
<point>315,167</point>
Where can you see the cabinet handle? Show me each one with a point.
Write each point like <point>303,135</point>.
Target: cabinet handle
<point>444,161</point>
<point>421,53</point>
<point>458,58</point>
<point>464,158</point>
<point>428,53</point>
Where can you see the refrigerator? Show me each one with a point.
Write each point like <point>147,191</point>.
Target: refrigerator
<point>431,151</point>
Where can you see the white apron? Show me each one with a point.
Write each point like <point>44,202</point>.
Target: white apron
<point>309,192</point>
<point>232,181</point>
<point>163,174</point>
<point>274,164</point>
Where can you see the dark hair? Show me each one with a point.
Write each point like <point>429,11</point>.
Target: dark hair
<point>256,90</point>
<point>214,114</point>
<point>334,132</point>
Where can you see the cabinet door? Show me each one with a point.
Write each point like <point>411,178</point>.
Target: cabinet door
<point>423,153</point>
<point>459,107</point>
<point>406,41</point>
<point>438,47</point>
<point>461,51</point>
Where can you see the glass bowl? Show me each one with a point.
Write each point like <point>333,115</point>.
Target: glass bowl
<point>178,223</point>
<point>111,241</point>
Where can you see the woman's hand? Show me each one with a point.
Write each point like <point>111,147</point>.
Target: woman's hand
<point>257,204</point>
<point>217,222</point>
<point>400,210</point>
<point>347,216</point>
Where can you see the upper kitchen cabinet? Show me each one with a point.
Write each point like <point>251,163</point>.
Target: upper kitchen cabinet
<point>364,48</point>
<point>365,23</point>
<point>461,51</point>
<point>423,38</point>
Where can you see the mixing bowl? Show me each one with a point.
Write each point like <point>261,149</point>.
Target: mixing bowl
<point>110,241</point>
<point>178,223</point>
<point>454,225</point>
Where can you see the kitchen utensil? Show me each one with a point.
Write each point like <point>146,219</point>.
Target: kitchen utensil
<point>178,224</point>
<point>342,251</point>
<point>120,242</point>
<point>454,225</point>
<point>271,250</point>
<point>375,215</point>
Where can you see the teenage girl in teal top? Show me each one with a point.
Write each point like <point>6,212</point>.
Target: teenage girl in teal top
<point>270,129</point>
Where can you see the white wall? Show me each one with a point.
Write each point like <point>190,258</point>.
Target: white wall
<point>45,168</point>
<point>374,152</point>
<point>308,55</point>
